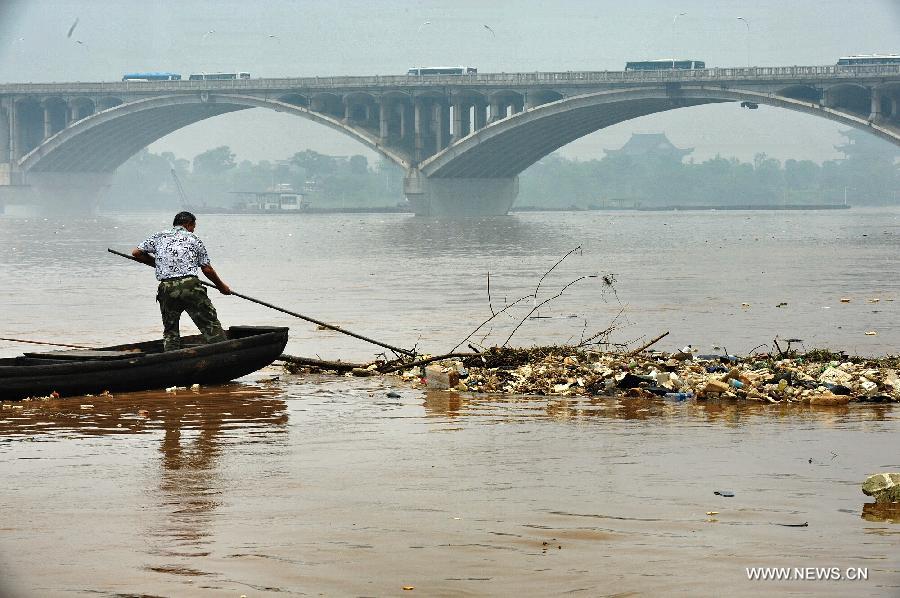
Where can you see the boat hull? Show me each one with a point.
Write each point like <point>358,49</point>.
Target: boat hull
<point>142,366</point>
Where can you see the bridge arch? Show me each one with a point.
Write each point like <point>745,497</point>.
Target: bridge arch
<point>507,147</point>
<point>327,103</point>
<point>810,93</point>
<point>540,97</point>
<point>55,115</point>
<point>29,114</point>
<point>852,97</point>
<point>104,140</point>
<point>294,99</point>
<point>108,102</point>
<point>82,108</point>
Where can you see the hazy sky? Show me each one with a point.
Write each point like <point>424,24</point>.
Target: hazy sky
<point>363,37</point>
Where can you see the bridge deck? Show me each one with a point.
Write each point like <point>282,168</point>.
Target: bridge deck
<point>756,75</point>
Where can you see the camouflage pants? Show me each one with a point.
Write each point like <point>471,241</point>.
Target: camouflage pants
<point>187,294</point>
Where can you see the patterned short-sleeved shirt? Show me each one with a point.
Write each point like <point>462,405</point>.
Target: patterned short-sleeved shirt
<point>177,252</point>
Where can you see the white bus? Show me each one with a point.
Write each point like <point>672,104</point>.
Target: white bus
<point>442,70</point>
<point>217,76</point>
<point>868,59</point>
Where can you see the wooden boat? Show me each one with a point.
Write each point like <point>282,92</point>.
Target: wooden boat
<point>141,366</point>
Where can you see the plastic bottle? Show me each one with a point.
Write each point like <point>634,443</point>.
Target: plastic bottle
<point>679,396</point>
<point>736,383</point>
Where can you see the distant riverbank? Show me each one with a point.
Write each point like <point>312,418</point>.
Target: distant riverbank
<point>682,208</point>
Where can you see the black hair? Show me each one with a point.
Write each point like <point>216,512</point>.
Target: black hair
<point>182,218</point>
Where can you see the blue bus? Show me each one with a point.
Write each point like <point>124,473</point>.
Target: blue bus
<point>152,76</point>
<point>664,64</point>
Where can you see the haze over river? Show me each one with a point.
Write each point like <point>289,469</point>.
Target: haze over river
<point>324,485</point>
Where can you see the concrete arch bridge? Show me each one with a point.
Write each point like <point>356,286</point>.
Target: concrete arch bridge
<point>462,139</point>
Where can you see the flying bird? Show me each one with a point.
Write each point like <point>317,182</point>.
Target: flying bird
<point>72,28</point>
<point>491,30</point>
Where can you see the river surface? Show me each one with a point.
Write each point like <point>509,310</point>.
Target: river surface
<point>324,485</point>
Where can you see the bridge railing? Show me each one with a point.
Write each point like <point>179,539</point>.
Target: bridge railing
<point>754,74</point>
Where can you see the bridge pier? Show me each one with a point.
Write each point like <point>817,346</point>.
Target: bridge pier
<point>57,194</point>
<point>876,104</point>
<point>459,198</point>
<point>4,138</point>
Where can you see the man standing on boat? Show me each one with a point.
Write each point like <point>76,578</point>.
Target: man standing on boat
<point>176,254</point>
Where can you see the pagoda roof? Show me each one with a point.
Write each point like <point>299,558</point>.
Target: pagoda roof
<point>642,144</point>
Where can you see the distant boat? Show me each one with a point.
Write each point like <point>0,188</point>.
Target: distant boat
<point>277,198</point>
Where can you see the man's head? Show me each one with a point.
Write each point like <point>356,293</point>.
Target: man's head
<point>185,219</point>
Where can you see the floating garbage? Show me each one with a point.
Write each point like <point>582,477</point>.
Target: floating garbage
<point>817,377</point>
<point>884,487</point>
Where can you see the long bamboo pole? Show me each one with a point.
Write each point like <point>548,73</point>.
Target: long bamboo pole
<point>292,313</point>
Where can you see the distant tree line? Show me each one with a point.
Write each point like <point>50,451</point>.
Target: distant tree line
<point>864,177</point>
<point>145,182</point>
<point>868,175</point>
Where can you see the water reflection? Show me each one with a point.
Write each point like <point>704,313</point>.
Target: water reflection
<point>244,408</point>
<point>438,403</point>
<point>884,512</point>
<point>477,237</point>
<point>197,426</point>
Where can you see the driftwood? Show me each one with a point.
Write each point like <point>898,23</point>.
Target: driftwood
<point>383,368</point>
<point>411,364</point>
<point>652,342</point>
<point>338,366</point>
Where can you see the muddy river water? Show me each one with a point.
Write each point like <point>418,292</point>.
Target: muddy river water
<point>325,485</point>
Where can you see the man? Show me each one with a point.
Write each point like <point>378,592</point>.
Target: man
<point>176,254</point>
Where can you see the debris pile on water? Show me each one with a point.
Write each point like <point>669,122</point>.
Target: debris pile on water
<point>884,487</point>
<point>816,377</point>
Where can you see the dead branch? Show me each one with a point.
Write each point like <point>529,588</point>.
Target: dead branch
<point>777,346</point>
<point>541,304</point>
<point>552,268</point>
<point>338,366</point>
<point>606,332</point>
<point>490,305</point>
<point>426,361</point>
<point>480,326</point>
<point>652,342</point>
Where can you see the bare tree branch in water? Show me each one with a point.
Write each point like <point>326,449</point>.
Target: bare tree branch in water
<point>552,268</point>
<point>490,305</point>
<point>386,369</point>
<point>480,326</point>
<point>650,343</point>
<point>544,302</point>
<point>608,281</point>
<point>603,334</point>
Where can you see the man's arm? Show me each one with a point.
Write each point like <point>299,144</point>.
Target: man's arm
<point>142,256</point>
<point>210,273</point>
